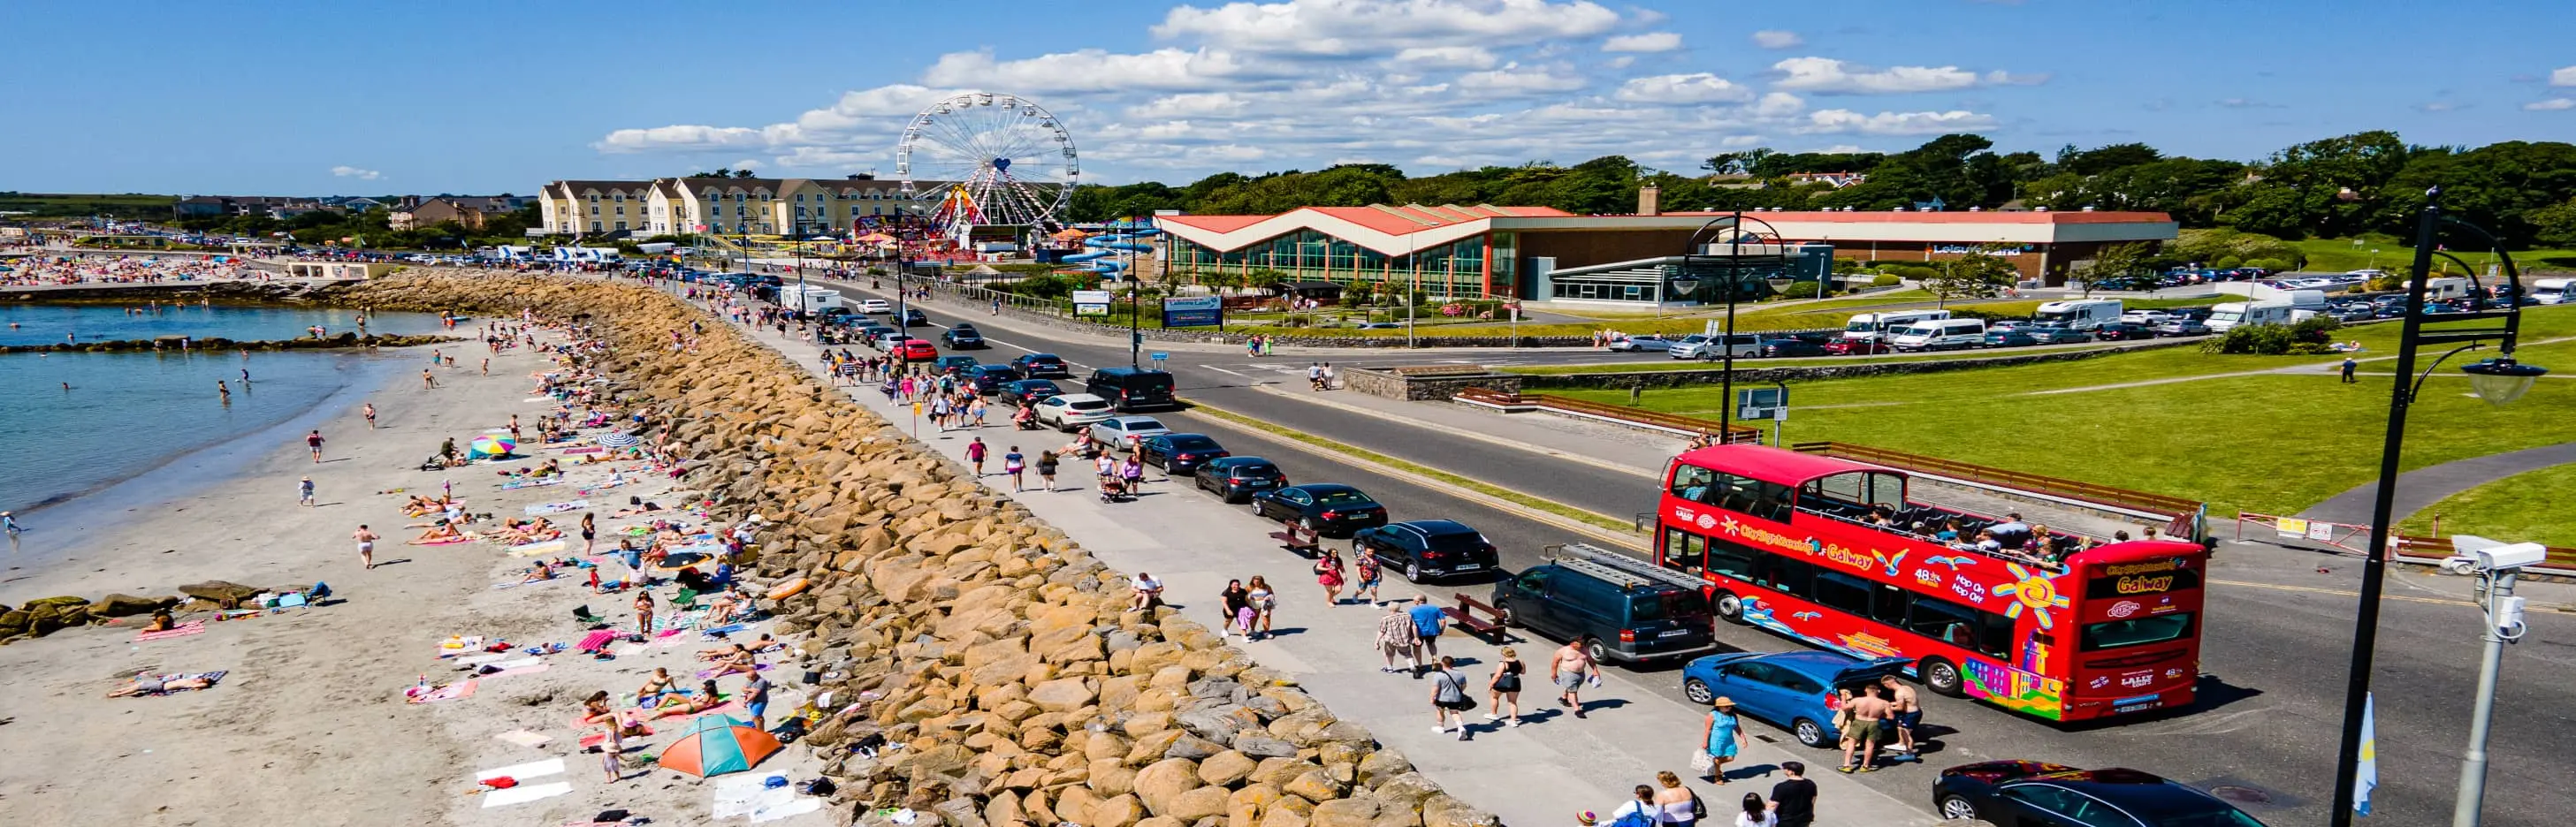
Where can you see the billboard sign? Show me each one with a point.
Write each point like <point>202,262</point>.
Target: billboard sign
<point>1091,302</point>
<point>1193,311</point>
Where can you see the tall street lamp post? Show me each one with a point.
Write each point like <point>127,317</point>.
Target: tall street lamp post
<point>1686,283</point>
<point>2499,381</point>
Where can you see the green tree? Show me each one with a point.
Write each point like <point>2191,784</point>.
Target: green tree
<point>1977,275</point>
<point>2554,225</point>
<point>2118,260</point>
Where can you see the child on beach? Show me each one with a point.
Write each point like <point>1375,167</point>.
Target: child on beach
<point>304,492</point>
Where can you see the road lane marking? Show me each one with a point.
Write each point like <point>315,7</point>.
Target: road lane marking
<point>1226,372</point>
<point>1469,434</point>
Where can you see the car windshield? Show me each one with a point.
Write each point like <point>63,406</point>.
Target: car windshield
<point>1142,423</point>
<point>1456,541</point>
<point>1861,327</point>
<point>1193,443</point>
<point>1342,497</point>
<point>1254,470</point>
<point>1087,404</point>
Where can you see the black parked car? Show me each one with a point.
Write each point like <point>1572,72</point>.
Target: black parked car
<point>989,379</point>
<point>913,318</point>
<point>1027,391</point>
<point>963,336</point>
<point>1328,509</point>
<point>2038,794</point>
<point>1423,549</point>
<point>1236,479</point>
<point>1043,366</point>
<point>954,364</point>
<point>2122,332</point>
<point>1179,454</point>
<point>1791,347</point>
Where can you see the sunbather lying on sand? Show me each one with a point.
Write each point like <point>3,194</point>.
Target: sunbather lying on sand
<point>687,703</point>
<point>151,684</point>
<point>543,570</point>
<point>441,531</point>
<point>656,686</point>
<point>741,662</point>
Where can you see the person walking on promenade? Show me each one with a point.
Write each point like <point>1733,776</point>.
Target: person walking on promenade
<point>369,411</point>
<point>1721,736</point>
<point>1638,812</point>
<point>304,492</point>
<point>1395,639</point>
<point>1756,813</point>
<point>1046,469</point>
<point>1449,701</point>
<point>1905,710</point>
<point>1265,603</point>
<point>366,545</point>
<point>1238,609</point>
<point>975,455</point>
<point>1793,800</point>
<point>1014,464</point>
<point>2350,365</point>
<point>313,441</point>
<point>1862,712</point>
<point>1427,620</point>
<point>1677,805</point>
<point>1569,667</point>
<point>1369,573</point>
<point>1328,574</point>
<point>1504,688</point>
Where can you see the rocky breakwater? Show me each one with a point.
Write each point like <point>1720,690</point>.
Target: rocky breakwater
<point>971,663</point>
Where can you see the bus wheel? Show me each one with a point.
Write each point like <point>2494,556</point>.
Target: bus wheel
<point>1942,677</point>
<point>1730,607</point>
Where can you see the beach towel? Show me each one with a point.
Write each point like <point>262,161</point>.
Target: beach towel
<point>450,692</point>
<point>542,509</point>
<point>181,630</point>
<point>514,485</point>
<point>443,541</point>
<point>586,449</point>
<point>523,772</point>
<point>523,738</point>
<point>538,548</point>
<point>595,641</point>
<point>704,674</point>
<point>524,794</point>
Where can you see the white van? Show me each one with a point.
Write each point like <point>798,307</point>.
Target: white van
<point>2079,314</point>
<point>1867,326</point>
<point>2231,314</point>
<point>2552,291</point>
<point>1940,334</point>
<point>2447,287</point>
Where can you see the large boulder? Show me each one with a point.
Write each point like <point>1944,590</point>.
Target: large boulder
<point>1164,781</point>
<point>1063,694</point>
<point>1344,812</point>
<point>220,592</point>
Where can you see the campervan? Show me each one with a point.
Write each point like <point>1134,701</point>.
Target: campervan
<point>2230,314</point>
<point>2447,287</point>
<point>810,298</point>
<point>1867,326</point>
<point>2552,291</point>
<point>2079,314</point>
<point>1939,334</point>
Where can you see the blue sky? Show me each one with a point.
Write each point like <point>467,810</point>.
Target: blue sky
<point>298,97</point>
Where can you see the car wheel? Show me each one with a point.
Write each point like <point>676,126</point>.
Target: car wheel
<point>1955,807</point>
<point>1942,677</point>
<point>1600,654</point>
<point>1697,691</point>
<point>1730,607</point>
<point>1308,523</point>
<point>1413,571</point>
<point>1256,508</point>
<point>1504,611</point>
<point>1810,733</point>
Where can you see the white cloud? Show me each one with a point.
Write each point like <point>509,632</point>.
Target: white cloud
<point>683,137</point>
<point>1701,87</point>
<point>747,163</point>
<point>1511,79</point>
<point>1188,105</point>
<point>2563,77</point>
<point>1779,105</point>
<point>1778,39</point>
<point>1369,27</point>
<point>1827,76</point>
<point>2000,77</point>
<point>1088,70</point>
<point>1843,121</point>
<point>1648,42</point>
<point>2551,105</point>
<point>1447,57</point>
<point>345,171</point>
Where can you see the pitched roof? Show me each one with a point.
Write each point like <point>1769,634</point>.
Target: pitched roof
<point>1981,217</point>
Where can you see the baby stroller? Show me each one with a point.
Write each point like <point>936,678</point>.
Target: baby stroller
<point>1113,489</point>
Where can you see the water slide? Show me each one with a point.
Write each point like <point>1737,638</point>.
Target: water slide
<point>1105,247</point>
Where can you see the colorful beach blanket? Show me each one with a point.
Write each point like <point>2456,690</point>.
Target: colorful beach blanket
<point>584,450</point>
<point>595,641</point>
<point>450,692</point>
<point>514,485</point>
<point>181,630</point>
<point>540,547</point>
<point>542,509</point>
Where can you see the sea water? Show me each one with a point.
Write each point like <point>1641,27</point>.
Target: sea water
<point>127,413</point>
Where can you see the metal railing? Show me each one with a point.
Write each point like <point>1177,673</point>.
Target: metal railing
<point>1683,425</point>
<point>2183,515</point>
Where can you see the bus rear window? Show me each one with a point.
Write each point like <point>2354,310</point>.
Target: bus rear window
<point>2140,631</point>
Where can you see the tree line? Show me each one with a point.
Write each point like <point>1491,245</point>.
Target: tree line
<point>2523,191</point>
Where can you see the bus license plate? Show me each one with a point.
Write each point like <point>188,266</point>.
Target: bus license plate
<point>2128,705</point>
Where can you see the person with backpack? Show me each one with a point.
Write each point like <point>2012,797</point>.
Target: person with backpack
<point>1678,805</point>
<point>1640,812</point>
<point>1449,701</point>
<point>1368,574</point>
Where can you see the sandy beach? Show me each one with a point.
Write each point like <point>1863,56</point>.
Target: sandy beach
<point>310,725</point>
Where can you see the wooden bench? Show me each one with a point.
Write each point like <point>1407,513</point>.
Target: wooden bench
<point>1296,538</point>
<point>1464,616</point>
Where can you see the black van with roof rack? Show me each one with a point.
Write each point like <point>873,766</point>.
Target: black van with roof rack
<point>1632,609</point>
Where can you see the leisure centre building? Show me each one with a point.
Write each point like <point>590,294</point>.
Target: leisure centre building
<point>1547,254</point>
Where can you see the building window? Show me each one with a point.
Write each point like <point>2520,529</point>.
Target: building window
<point>621,225</point>
<point>594,226</point>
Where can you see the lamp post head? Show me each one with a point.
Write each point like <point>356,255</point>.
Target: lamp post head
<point>2502,380</point>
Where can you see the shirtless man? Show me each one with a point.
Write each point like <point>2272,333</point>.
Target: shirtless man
<point>1862,731</point>
<point>1568,668</point>
<point>366,545</point>
<point>1907,711</point>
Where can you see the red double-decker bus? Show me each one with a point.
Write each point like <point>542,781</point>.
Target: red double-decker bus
<point>1833,552</point>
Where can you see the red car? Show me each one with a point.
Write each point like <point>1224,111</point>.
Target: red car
<point>1857,347</point>
<point>916,350</point>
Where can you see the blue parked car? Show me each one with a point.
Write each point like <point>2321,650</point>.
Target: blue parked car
<point>1789,689</point>
<point>2011,338</point>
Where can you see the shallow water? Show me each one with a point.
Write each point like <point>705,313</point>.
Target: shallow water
<point>43,324</point>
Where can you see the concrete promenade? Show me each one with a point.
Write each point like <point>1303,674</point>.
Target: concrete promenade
<point>1540,773</point>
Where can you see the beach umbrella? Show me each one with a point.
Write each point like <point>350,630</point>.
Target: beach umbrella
<point>614,439</point>
<point>717,744</point>
<point>491,446</point>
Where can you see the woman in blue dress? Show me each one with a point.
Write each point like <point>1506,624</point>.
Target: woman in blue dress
<point>1721,737</point>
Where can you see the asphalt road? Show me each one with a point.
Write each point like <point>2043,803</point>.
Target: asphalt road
<point>2278,633</point>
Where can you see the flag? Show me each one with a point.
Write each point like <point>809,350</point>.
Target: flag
<point>2367,778</point>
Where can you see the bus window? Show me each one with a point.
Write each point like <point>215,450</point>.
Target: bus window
<point>1731,559</point>
<point>1684,551</point>
<point>1887,604</point>
<point>1995,635</point>
<point>2138,631</point>
<point>1887,490</point>
<point>1693,483</point>
<point>1842,592</point>
<point>1952,623</point>
<point>1791,577</point>
<point>1843,487</point>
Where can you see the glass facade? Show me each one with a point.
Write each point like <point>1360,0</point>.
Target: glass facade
<point>1453,269</point>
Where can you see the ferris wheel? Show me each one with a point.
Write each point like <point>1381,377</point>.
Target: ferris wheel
<point>982,159</point>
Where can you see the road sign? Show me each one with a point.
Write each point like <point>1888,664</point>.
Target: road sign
<point>1762,403</point>
<point>1193,311</point>
<point>1091,302</point>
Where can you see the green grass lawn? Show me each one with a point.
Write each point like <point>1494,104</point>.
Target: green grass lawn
<point>2335,255</point>
<point>1751,364</point>
<point>2528,507</point>
<point>2268,443</point>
